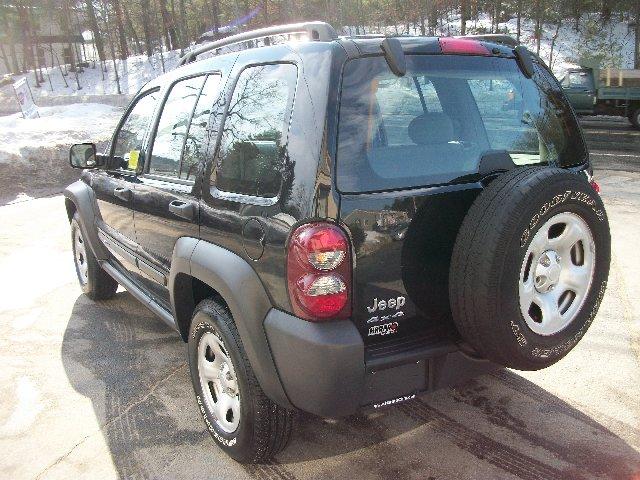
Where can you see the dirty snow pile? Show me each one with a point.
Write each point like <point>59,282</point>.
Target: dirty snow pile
<point>28,139</point>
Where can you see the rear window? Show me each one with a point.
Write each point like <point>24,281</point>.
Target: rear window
<point>434,125</point>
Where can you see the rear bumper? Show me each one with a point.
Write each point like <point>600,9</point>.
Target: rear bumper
<point>324,371</point>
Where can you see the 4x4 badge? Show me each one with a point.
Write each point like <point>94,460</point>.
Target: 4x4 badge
<point>384,318</point>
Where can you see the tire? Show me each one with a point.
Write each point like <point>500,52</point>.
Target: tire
<point>262,428</point>
<point>515,299</point>
<point>634,118</point>
<point>94,281</point>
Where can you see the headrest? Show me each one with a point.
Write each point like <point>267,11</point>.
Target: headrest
<point>431,128</point>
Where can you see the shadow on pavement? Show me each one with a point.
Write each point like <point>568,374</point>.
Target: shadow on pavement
<point>132,367</point>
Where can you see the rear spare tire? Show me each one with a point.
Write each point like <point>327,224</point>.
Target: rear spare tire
<point>530,267</point>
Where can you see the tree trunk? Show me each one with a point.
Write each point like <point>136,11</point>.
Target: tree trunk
<point>131,29</point>
<point>122,38</point>
<point>95,31</point>
<point>28,57</point>
<point>5,58</point>
<point>109,29</point>
<point>553,41</point>
<point>539,21</point>
<point>215,10</point>
<point>184,28</point>
<point>605,11</point>
<point>519,20</point>
<point>146,30</point>
<point>433,17</point>
<point>636,61</point>
<point>464,7</point>
<point>169,27</point>
<point>577,13</point>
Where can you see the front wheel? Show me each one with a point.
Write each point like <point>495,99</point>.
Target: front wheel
<point>246,424</point>
<point>94,281</point>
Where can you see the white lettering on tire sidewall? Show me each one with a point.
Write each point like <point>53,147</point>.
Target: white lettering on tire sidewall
<point>557,200</point>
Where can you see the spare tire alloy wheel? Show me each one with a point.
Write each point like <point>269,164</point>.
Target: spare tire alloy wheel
<point>218,382</point>
<point>557,273</point>
<point>530,267</point>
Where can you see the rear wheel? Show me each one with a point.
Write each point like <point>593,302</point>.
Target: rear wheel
<point>246,424</point>
<point>94,281</point>
<point>530,267</point>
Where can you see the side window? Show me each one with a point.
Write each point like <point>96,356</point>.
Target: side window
<point>197,137</point>
<point>173,126</point>
<point>128,140</point>
<point>579,80</point>
<point>252,146</point>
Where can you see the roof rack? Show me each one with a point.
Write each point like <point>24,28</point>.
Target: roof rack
<point>318,31</point>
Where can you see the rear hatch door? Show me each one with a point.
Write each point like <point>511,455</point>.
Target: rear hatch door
<point>408,168</point>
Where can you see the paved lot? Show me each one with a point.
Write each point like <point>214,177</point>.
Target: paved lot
<point>101,390</point>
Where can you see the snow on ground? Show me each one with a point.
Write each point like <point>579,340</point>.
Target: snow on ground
<point>133,74</point>
<point>57,127</point>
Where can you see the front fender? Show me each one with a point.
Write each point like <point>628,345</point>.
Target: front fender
<point>238,284</point>
<point>79,197</point>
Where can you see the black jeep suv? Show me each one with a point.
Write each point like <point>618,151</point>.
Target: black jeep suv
<point>335,224</point>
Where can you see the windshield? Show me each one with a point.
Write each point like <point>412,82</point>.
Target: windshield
<point>434,125</point>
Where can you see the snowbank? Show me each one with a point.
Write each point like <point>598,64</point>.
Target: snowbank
<point>34,152</point>
<point>60,126</point>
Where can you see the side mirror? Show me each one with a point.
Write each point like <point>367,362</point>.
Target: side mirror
<point>83,155</point>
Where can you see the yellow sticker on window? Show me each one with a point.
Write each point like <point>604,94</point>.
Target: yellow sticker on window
<point>133,159</point>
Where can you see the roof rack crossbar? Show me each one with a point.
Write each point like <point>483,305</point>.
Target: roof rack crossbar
<point>319,31</point>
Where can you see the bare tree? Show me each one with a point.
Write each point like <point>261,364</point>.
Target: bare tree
<point>145,12</point>
<point>95,31</point>
<point>464,12</point>
<point>131,29</point>
<point>122,38</point>
<point>636,58</point>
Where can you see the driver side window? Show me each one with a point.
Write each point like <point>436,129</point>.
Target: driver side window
<point>128,141</point>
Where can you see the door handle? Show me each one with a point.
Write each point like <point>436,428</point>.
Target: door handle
<point>181,209</point>
<point>122,193</point>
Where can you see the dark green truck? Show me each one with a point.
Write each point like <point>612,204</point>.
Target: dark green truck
<point>592,90</point>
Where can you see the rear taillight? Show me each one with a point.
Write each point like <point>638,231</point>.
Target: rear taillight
<point>595,185</point>
<point>462,46</point>
<point>319,272</point>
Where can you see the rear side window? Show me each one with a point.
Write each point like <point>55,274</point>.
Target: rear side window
<point>251,149</point>
<point>434,125</point>
<point>197,138</point>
